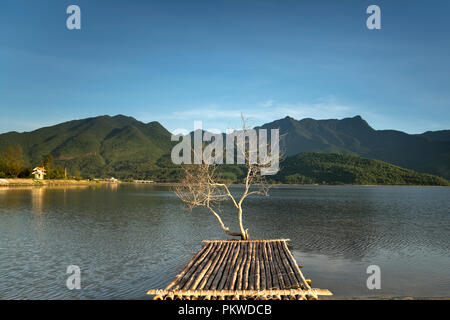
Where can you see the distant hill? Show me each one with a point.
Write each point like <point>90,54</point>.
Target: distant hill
<point>442,135</point>
<point>329,168</point>
<point>124,147</point>
<point>96,146</point>
<point>428,152</point>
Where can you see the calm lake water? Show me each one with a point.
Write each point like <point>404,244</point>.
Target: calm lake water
<point>130,238</point>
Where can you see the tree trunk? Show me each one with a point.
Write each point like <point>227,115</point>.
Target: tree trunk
<point>234,234</point>
<point>222,225</point>
<point>244,233</point>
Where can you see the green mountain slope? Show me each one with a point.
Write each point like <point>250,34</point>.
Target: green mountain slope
<point>96,146</point>
<point>329,168</point>
<point>124,147</point>
<point>428,152</point>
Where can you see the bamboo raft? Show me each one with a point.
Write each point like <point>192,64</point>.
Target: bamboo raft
<point>241,270</point>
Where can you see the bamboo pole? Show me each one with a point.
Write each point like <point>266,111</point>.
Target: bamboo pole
<point>320,292</point>
<point>236,267</point>
<point>207,267</point>
<point>256,271</point>
<point>218,255</point>
<point>257,275</point>
<point>169,296</point>
<point>183,272</point>
<point>295,265</point>
<point>239,284</point>
<point>286,265</point>
<point>188,274</point>
<point>262,280</point>
<point>199,267</point>
<point>277,268</point>
<point>274,276</point>
<point>199,276</point>
<point>268,240</point>
<point>251,274</point>
<point>227,266</point>
<point>267,267</point>
<point>285,283</point>
<point>297,272</point>
<point>247,266</point>
<point>230,263</point>
<point>219,273</point>
<point>215,273</point>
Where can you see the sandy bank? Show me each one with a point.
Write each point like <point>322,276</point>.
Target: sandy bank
<point>33,182</point>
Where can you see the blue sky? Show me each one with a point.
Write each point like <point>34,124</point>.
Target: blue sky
<point>180,61</point>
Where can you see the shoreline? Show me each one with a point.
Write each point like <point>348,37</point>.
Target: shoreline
<point>274,185</point>
<point>12,182</point>
<point>23,182</point>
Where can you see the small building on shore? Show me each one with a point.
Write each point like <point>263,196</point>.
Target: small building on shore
<point>143,181</point>
<point>39,173</point>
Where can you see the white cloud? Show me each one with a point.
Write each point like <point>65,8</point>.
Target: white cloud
<point>268,111</point>
<point>267,104</point>
<point>226,116</point>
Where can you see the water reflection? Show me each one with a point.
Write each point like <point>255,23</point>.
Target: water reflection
<point>129,238</point>
<point>37,199</point>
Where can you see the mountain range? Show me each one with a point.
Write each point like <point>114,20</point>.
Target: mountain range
<point>428,152</point>
<point>125,147</point>
<point>98,146</point>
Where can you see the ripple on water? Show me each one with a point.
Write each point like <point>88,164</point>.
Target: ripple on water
<point>132,239</point>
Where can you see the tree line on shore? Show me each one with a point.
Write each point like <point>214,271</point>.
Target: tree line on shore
<point>13,165</point>
<point>303,168</point>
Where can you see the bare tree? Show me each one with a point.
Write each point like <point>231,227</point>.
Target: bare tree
<point>202,186</point>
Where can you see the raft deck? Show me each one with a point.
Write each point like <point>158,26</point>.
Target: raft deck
<point>241,270</point>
